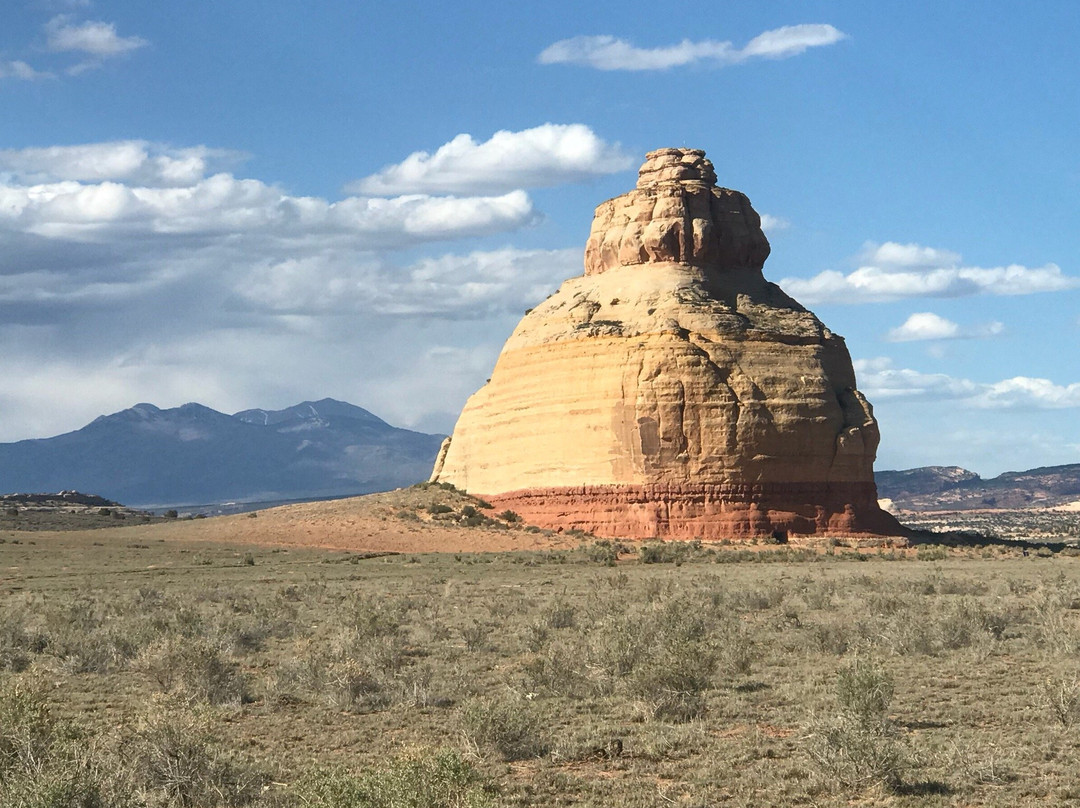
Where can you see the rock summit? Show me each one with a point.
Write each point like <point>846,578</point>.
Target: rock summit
<point>671,391</point>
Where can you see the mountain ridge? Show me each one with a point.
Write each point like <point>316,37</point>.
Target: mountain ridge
<point>192,454</point>
<point>954,488</point>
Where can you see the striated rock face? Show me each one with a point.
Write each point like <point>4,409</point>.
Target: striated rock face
<point>672,391</point>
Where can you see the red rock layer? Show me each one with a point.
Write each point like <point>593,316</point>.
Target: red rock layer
<point>789,512</point>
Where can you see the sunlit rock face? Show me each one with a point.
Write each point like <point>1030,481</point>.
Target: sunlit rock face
<point>671,391</point>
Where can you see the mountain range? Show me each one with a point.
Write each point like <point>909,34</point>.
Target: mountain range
<point>192,455</point>
<point>935,488</point>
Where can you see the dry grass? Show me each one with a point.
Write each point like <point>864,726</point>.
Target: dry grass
<point>170,673</point>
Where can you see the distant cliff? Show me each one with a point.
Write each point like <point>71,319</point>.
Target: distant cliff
<point>937,488</point>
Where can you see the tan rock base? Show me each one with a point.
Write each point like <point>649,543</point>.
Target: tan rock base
<point>709,512</point>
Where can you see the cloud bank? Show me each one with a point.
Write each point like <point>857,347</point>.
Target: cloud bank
<point>609,53</point>
<point>893,271</point>
<point>878,379</point>
<point>132,271</point>
<point>551,154</point>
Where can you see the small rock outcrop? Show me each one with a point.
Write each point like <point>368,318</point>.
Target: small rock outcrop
<point>671,391</point>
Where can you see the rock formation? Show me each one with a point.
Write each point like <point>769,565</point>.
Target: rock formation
<point>671,391</point>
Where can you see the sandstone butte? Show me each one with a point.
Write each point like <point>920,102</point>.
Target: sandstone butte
<point>671,391</point>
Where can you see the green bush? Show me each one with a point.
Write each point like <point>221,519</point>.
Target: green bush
<point>859,747</point>
<point>510,725</point>
<point>439,779</point>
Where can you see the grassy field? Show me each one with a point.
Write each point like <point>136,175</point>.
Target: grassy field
<point>144,672</point>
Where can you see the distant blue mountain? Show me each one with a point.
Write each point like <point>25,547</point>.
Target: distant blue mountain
<point>193,455</point>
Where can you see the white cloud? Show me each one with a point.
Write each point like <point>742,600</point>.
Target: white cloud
<point>21,70</point>
<point>129,272</point>
<point>773,223</point>
<point>226,206</point>
<point>791,40</point>
<point>551,154</point>
<point>609,53</point>
<point>878,379</point>
<point>926,325</point>
<point>896,271</point>
<point>134,161</point>
<point>94,38</point>
<point>469,286</point>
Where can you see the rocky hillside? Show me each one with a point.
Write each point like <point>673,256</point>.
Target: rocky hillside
<point>933,488</point>
<point>190,455</point>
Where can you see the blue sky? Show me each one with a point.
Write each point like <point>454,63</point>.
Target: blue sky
<point>250,204</point>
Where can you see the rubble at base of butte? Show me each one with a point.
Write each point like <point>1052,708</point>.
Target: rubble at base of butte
<point>671,391</point>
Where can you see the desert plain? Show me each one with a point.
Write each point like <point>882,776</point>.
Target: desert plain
<point>416,648</point>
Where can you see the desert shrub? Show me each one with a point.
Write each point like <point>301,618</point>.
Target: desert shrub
<point>864,690</point>
<point>557,670</point>
<point>509,516</point>
<point>560,613</point>
<point>668,552</point>
<point>439,779</point>
<point>756,598</point>
<point>194,669</point>
<point>471,517</point>
<point>829,638</point>
<point>174,759</point>
<point>736,650</point>
<point>536,635</point>
<point>27,728</point>
<point>671,680</point>
<point>671,685</point>
<point>352,671</point>
<point>17,643</point>
<point>604,552</point>
<point>1060,696</point>
<point>910,628</point>
<point>476,635</point>
<point>372,618</point>
<point>351,684</point>
<point>615,647</point>
<point>858,747</point>
<point>931,552</point>
<point>45,763</point>
<point>437,508</point>
<point>91,634</point>
<point>508,724</point>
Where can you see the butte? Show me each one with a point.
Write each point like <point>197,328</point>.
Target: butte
<point>671,391</point>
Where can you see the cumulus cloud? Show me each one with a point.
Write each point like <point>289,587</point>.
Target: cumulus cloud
<point>133,161</point>
<point>609,53</point>
<point>880,380</point>
<point>892,271</point>
<point>176,199</point>
<point>551,154</point>
<point>94,38</point>
<point>926,325</point>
